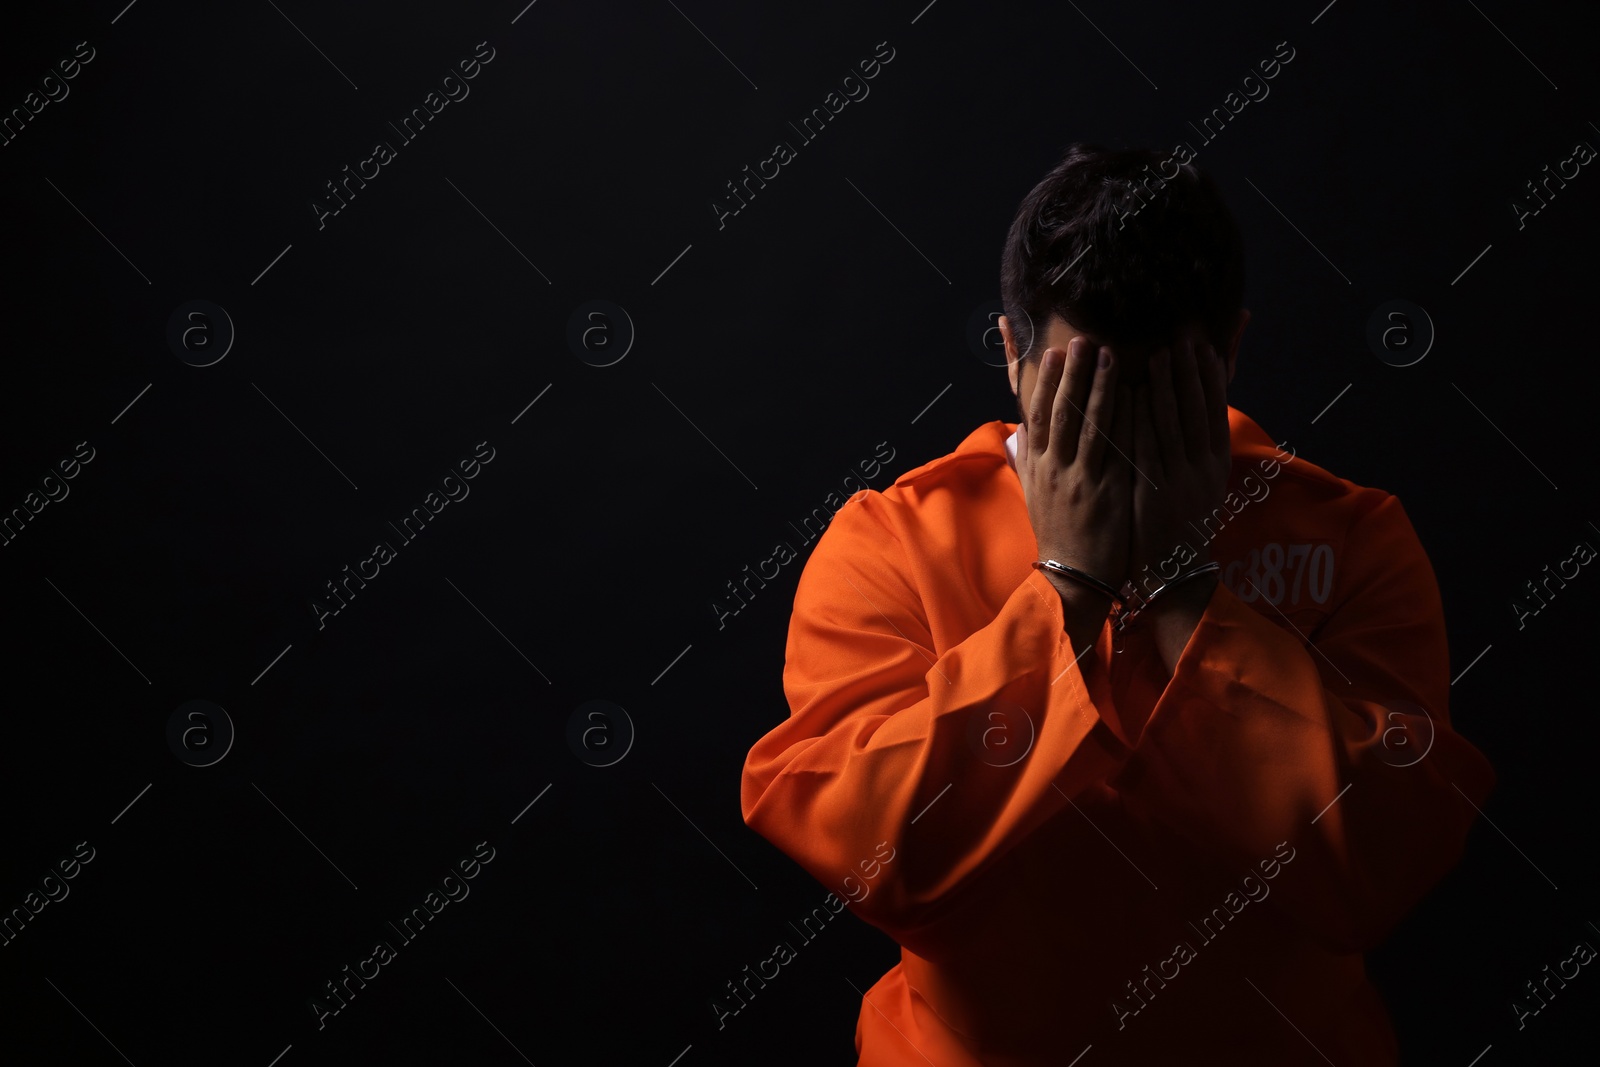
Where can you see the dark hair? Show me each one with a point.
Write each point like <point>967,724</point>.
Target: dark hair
<point>1122,252</point>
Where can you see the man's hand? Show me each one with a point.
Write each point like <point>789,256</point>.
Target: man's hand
<point>1181,444</point>
<point>1070,459</point>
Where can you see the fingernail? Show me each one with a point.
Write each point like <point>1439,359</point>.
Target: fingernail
<point>1105,358</point>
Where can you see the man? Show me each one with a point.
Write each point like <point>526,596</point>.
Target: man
<point>1134,801</point>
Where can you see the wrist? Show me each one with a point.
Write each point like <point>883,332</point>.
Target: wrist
<point>1084,610</point>
<point>1078,600</point>
<point>1150,573</point>
<point>1176,616</point>
<point>1187,599</point>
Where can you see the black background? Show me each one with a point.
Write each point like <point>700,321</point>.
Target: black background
<point>771,356</point>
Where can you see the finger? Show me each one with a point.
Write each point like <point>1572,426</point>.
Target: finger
<point>1164,411</point>
<point>1069,400</point>
<point>1215,378</point>
<point>1097,415</point>
<point>1044,389</point>
<point>1121,455</point>
<point>1191,399</point>
<point>1024,458</point>
<point>1146,447</point>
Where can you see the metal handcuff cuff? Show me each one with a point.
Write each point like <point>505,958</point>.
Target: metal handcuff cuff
<point>1123,616</point>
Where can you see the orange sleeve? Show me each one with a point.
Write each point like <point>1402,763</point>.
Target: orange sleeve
<point>879,744</point>
<point>1256,735</point>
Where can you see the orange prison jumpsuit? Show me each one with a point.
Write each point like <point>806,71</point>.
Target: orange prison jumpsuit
<point>1029,899</point>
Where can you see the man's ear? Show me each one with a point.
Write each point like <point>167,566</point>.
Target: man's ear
<point>1013,365</point>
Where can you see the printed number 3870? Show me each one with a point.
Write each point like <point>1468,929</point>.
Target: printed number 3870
<point>1281,572</point>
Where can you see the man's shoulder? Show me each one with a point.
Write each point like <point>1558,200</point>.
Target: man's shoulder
<point>927,506</point>
<point>951,487</point>
<point>1256,455</point>
<point>983,448</point>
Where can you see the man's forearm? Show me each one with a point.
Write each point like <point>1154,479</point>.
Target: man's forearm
<point>1172,619</point>
<point>1084,611</point>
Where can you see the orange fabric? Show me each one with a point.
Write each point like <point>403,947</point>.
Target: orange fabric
<point>1040,907</point>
